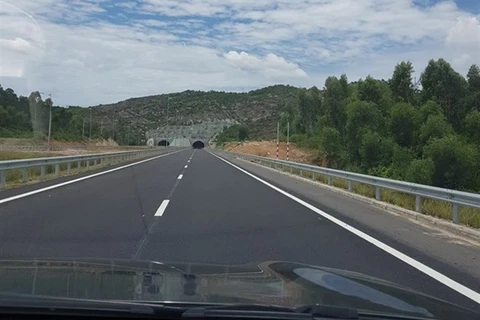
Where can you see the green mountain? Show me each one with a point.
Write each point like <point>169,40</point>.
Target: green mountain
<point>128,121</point>
<point>258,109</point>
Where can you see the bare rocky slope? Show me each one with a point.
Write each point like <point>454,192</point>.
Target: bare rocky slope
<point>259,109</point>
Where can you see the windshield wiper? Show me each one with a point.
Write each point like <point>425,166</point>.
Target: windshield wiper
<point>270,312</point>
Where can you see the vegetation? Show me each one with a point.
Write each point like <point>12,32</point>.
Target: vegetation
<point>393,128</point>
<point>127,121</point>
<point>233,133</point>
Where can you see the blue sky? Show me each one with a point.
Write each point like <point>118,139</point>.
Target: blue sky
<point>99,51</point>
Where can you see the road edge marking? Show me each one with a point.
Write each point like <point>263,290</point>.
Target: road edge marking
<point>452,284</point>
<point>31,193</point>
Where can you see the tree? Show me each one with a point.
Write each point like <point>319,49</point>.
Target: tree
<point>404,124</point>
<point>428,109</point>
<point>447,87</point>
<point>435,127</point>
<point>242,133</point>
<point>472,127</point>
<point>361,116</point>
<point>331,146</point>
<point>334,101</point>
<point>420,171</point>
<point>454,163</point>
<point>377,92</point>
<point>309,104</point>
<point>401,160</point>
<point>401,83</point>
<point>473,78</point>
<point>344,83</point>
<point>375,150</point>
<point>3,117</point>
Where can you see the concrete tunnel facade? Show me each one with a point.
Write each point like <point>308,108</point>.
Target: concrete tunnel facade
<point>181,142</point>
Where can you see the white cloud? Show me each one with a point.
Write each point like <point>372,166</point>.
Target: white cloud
<point>272,66</point>
<point>17,44</point>
<point>85,53</point>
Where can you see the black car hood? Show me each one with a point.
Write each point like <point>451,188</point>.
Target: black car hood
<point>273,283</point>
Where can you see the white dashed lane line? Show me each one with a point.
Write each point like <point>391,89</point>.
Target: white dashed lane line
<point>162,208</point>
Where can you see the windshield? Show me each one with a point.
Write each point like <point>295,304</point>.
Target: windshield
<point>257,151</point>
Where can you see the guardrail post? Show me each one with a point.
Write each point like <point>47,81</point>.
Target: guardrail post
<point>314,176</point>
<point>79,164</point>
<point>69,167</point>
<point>100,161</point>
<point>24,175</point>
<point>87,164</point>
<point>329,180</point>
<point>301,173</point>
<point>455,215</point>
<point>57,170</point>
<point>418,203</point>
<point>42,173</point>
<point>377,193</point>
<point>3,179</point>
<point>349,186</point>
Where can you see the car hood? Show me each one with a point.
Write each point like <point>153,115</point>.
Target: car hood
<point>272,282</point>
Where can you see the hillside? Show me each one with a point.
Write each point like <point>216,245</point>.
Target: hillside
<point>259,109</point>
<point>127,121</point>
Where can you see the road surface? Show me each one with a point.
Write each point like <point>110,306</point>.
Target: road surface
<point>192,206</point>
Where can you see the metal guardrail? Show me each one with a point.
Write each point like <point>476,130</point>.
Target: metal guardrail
<point>6,147</point>
<point>78,160</point>
<point>456,198</point>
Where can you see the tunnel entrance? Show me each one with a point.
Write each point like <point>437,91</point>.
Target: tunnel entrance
<point>163,143</point>
<point>198,145</point>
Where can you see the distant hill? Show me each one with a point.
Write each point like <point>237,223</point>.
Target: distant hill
<point>259,109</point>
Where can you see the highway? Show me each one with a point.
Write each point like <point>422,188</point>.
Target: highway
<point>194,206</point>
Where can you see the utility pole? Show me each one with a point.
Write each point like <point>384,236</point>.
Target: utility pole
<point>83,129</point>
<point>278,137</point>
<point>101,128</point>
<point>288,137</point>
<point>49,120</point>
<point>90,129</point>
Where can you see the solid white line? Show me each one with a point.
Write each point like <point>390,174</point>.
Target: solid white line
<point>467,292</point>
<point>23,195</point>
<point>180,176</point>
<point>162,208</point>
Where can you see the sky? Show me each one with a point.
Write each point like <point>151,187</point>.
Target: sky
<point>89,52</point>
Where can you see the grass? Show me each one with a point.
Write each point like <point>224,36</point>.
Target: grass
<point>14,177</point>
<point>436,208</point>
<point>13,155</point>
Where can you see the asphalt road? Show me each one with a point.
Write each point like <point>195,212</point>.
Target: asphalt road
<point>193,207</point>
